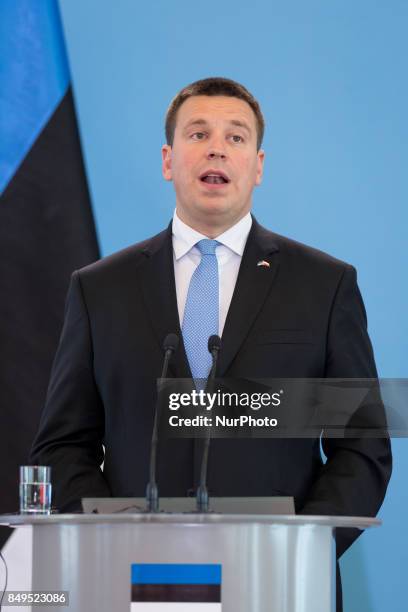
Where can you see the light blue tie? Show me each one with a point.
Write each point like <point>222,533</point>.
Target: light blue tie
<point>201,311</point>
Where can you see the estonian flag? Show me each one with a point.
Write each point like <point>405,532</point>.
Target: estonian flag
<point>46,223</point>
<point>168,587</point>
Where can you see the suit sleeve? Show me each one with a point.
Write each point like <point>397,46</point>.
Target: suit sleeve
<point>72,424</point>
<point>354,478</point>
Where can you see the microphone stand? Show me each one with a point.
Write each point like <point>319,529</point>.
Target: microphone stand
<point>170,345</point>
<point>214,345</point>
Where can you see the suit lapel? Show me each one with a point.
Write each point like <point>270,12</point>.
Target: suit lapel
<point>253,285</point>
<point>159,294</point>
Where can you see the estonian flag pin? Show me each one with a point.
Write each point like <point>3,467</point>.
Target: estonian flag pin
<point>263,263</point>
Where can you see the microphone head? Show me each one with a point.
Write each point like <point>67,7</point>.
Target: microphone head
<point>171,342</point>
<point>214,343</point>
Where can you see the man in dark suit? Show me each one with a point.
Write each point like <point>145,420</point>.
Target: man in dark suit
<point>299,314</point>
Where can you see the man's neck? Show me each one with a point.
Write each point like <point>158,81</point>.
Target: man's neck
<point>210,229</point>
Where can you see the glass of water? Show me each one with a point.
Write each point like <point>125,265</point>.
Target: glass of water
<point>35,489</point>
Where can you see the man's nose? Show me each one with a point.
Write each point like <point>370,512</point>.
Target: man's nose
<point>216,148</point>
<point>216,153</point>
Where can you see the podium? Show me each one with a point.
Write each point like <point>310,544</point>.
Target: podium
<point>266,563</point>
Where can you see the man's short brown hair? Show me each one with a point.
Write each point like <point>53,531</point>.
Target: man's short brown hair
<point>213,86</point>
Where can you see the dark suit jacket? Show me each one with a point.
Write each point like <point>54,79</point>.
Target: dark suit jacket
<point>302,317</point>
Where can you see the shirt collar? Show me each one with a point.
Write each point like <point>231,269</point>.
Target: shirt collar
<point>185,237</point>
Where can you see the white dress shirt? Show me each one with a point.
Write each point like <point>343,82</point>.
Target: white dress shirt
<point>186,258</point>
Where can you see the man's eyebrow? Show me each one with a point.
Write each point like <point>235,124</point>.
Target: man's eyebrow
<point>241,124</point>
<point>203,122</point>
<point>195,122</point>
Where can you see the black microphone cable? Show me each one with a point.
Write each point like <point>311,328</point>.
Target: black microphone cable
<point>5,582</point>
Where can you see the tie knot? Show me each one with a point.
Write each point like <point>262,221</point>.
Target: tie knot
<point>207,246</point>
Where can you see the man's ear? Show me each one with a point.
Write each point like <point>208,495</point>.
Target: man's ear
<point>260,165</point>
<point>166,162</point>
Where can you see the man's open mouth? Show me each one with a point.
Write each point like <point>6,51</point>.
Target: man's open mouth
<point>214,178</point>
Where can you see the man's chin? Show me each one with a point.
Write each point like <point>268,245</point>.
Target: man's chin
<point>221,217</point>
<point>215,212</point>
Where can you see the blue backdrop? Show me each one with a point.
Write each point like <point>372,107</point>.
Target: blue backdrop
<point>331,79</point>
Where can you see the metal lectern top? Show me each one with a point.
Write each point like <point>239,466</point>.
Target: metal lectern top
<point>359,522</point>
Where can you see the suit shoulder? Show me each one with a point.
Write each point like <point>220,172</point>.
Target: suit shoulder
<point>123,260</point>
<point>306,255</point>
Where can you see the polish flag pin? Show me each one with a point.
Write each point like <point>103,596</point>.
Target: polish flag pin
<point>263,263</point>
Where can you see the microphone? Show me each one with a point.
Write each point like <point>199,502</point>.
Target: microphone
<point>170,346</point>
<point>214,347</point>
<point>170,343</point>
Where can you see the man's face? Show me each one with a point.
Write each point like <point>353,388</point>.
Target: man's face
<point>213,162</point>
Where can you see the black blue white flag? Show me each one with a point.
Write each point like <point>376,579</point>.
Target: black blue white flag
<point>168,587</point>
<point>46,224</point>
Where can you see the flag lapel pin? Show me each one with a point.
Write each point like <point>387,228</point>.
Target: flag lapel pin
<point>263,264</point>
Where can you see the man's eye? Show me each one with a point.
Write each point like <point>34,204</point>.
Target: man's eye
<point>237,138</point>
<point>198,135</point>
